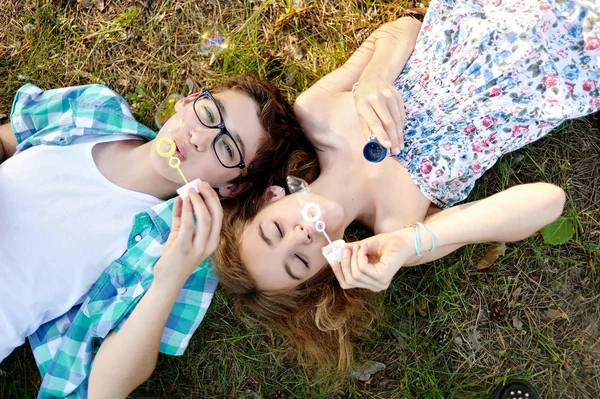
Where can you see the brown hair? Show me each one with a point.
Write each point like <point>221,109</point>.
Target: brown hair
<point>319,317</point>
<point>283,137</point>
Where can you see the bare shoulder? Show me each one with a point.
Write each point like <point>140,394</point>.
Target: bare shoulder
<point>314,105</point>
<point>324,117</point>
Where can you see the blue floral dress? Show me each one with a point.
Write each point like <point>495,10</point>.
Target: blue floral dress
<point>488,77</point>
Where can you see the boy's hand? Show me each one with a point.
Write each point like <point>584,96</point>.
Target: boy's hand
<point>190,243</point>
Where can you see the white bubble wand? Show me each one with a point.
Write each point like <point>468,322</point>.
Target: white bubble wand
<point>311,212</point>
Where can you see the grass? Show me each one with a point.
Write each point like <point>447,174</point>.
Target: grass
<point>451,331</point>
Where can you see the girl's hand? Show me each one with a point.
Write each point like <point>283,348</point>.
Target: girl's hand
<point>381,111</point>
<point>190,243</point>
<point>373,262</point>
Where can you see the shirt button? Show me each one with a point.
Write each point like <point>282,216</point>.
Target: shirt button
<point>138,238</point>
<point>122,290</point>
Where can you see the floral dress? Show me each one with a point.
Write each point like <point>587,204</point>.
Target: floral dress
<point>488,77</point>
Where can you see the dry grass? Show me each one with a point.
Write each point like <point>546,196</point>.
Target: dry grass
<point>451,331</point>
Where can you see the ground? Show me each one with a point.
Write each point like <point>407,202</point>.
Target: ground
<point>451,331</point>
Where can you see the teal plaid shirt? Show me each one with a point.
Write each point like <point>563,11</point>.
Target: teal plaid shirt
<point>64,348</point>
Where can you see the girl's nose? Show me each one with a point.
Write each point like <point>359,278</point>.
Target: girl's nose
<point>302,234</point>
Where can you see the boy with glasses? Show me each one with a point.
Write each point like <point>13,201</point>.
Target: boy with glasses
<point>226,148</point>
<point>76,170</point>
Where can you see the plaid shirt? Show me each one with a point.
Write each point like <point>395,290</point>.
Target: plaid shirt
<point>64,348</point>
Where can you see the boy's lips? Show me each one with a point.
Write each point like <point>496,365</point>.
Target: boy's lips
<point>181,151</point>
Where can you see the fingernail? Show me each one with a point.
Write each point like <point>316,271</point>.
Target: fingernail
<point>387,143</point>
<point>397,150</point>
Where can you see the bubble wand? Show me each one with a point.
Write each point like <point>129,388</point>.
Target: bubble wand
<point>311,213</point>
<point>174,162</point>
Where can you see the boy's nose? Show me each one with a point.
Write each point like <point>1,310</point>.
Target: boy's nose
<point>201,139</point>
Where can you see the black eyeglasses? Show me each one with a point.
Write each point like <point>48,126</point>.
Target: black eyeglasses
<point>226,148</point>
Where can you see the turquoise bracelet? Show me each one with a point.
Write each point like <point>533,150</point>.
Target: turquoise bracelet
<point>418,239</point>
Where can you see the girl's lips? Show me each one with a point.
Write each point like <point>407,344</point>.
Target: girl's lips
<point>181,152</point>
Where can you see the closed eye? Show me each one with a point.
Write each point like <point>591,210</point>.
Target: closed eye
<point>302,260</point>
<point>279,228</point>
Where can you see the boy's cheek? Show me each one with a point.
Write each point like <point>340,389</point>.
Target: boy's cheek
<point>170,124</point>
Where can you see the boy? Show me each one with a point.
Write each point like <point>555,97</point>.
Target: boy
<point>76,169</point>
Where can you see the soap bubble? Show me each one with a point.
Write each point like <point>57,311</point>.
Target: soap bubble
<point>296,184</point>
<point>212,43</point>
<point>166,110</point>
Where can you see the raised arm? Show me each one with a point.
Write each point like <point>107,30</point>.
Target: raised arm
<point>510,215</point>
<point>8,142</point>
<point>379,104</point>
<point>383,54</point>
<point>128,357</point>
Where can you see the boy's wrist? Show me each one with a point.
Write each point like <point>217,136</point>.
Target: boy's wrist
<point>167,288</point>
<point>169,279</point>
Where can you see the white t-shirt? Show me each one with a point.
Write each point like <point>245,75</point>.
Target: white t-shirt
<point>62,223</point>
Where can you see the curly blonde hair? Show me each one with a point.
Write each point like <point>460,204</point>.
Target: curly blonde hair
<point>319,317</point>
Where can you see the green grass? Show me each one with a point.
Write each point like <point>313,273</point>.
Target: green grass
<point>449,330</point>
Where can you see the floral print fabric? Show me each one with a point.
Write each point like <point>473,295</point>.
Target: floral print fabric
<point>488,77</point>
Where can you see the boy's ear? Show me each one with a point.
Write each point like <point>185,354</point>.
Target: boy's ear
<point>273,193</point>
<point>232,190</point>
<point>185,101</point>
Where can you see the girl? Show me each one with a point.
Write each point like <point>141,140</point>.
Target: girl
<point>485,78</point>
